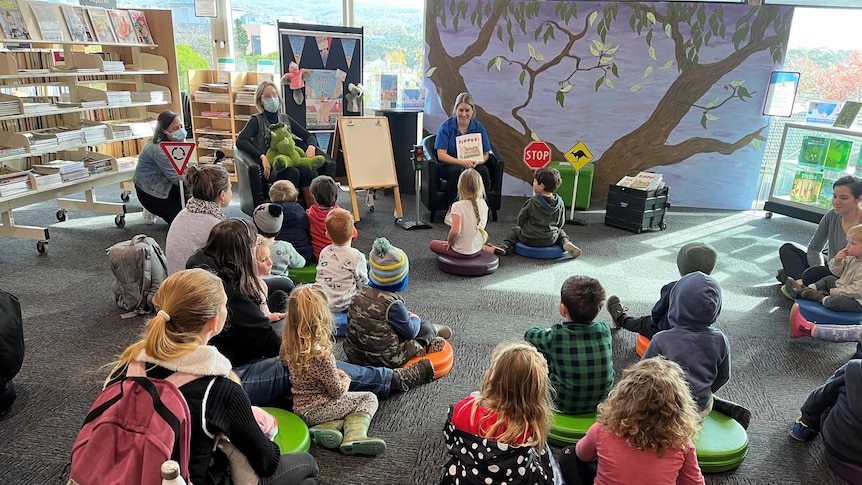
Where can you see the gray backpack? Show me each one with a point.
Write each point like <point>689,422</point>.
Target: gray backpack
<point>139,267</point>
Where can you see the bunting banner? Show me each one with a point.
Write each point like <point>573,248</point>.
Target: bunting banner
<point>297,44</point>
<point>348,45</point>
<point>323,43</point>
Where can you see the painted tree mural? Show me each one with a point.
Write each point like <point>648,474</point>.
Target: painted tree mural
<point>589,50</point>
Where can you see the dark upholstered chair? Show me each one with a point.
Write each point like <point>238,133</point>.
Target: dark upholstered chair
<point>249,179</point>
<point>434,188</point>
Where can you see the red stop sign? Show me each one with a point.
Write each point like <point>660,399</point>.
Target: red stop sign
<point>537,154</point>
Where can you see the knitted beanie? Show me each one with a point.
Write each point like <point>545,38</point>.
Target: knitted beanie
<point>267,219</point>
<point>696,256</point>
<point>390,269</point>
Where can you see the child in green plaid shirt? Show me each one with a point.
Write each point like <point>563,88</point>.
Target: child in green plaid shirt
<point>579,349</point>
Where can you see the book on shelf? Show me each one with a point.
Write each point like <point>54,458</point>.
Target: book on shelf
<point>12,188</point>
<point>44,181</point>
<point>126,163</point>
<point>469,147</point>
<point>101,22</point>
<point>47,16</point>
<point>806,187</point>
<point>123,28</point>
<point>75,174</point>
<point>12,21</point>
<point>98,165</point>
<point>838,154</point>
<point>58,166</point>
<point>813,151</point>
<point>79,26</point>
<point>12,151</point>
<point>847,115</point>
<point>113,66</point>
<point>142,29</point>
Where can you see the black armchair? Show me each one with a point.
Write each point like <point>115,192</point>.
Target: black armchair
<point>433,189</point>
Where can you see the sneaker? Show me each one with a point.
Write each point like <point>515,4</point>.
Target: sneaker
<point>786,293</point>
<point>801,431</point>
<point>149,217</point>
<point>443,331</point>
<point>615,308</point>
<point>435,345</point>
<point>407,378</point>
<point>792,288</point>
<point>502,249</point>
<point>573,250</point>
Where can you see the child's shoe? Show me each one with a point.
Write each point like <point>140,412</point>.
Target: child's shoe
<point>792,288</point>
<point>149,217</point>
<point>356,440</point>
<point>800,329</point>
<point>435,345</point>
<point>615,308</point>
<point>736,412</point>
<point>328,434</point>
<point>406,378</point>
<point>801,431</point>
<point>573,250</point>
<point>502,249</point>
<point>785,292</point>
<point>443,331</point>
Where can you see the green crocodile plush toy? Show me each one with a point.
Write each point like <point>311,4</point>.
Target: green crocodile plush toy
<point>283,151</point>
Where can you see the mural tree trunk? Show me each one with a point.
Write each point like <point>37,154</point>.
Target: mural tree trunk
<point>763,28</point>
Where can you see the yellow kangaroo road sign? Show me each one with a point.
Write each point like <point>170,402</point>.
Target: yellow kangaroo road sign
<point>579,155</point>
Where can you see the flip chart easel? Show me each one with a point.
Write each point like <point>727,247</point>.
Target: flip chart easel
<point>368,157</point>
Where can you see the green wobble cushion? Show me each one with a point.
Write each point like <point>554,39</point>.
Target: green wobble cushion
<point>306,274</point>
<point>721,444</point>
<point>567,429</point>
<point>292,431</point>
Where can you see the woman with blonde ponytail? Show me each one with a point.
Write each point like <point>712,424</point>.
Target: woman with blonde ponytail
<point>192,310</point>
<point>467,236</point>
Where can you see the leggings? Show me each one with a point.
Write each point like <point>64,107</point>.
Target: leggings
<point>794,261</point>
<point>442,247</point>
<point>167,208</point>
<point>451,172</point>
<point>298,468</point>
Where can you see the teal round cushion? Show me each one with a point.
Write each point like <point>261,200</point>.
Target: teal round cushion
<point>292,431</point>
<point>306,274</point>
<point>567,429</point>
<point>721,444</point>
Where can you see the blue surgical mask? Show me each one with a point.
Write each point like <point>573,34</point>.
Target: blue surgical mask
<point>178,134</point>
<point>271,104</point>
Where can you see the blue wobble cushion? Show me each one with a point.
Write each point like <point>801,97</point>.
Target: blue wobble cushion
<point>292,433</point>
<point>721,444</point>
<point>816,313</point>
<point>339,321</point>
<point>567,429</point>
<point>550,252</point>
<point>484,263</point>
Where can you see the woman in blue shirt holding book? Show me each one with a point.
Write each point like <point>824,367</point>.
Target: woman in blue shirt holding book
<point>461,123</point>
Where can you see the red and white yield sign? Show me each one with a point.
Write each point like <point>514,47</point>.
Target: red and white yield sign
<point>537,154</point>
<point>179,153</point>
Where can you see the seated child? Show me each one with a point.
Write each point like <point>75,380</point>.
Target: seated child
<point>294,226</point>
<point>579,349</point>
<point>834,411</point>
<point>643,431</point>
<point>694,256</point>
<point>263,263</point>
<point>541,220</point>
<point>380,330</point>
<point>268,218</point>
<point>467,236</point>
<point>842,290</point>
<point>325,193</point>
<point>695,344</point>
<point>320,395</point>
<point>506,422</point>
<point>341,269</point>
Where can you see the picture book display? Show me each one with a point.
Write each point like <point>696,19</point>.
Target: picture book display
<point>323,93</point>
<point>142,29</point>
<point>806,187</point>
<point>79,26</point>
<point>813,151</point>
<point>822,112</point>
<point>47,16</point>
<point>838,154</point>
<point>123,26</point>
<point>388,91</point>
<point>469,147</point>
<point>101,22</point>
<point>414,98</point>
<point>12,21</point>
<point>847,115</point>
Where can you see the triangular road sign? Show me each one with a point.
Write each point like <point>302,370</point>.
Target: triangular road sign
<point>179,153</point>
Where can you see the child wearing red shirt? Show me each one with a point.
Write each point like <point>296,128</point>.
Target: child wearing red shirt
<point>325,193</point>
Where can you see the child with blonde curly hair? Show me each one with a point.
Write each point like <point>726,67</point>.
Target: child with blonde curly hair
<point>643,431</point>
<point>499,434</point>
<point>320,395</point>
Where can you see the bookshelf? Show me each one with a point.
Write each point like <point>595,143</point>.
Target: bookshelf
<point>221,104</point>
<point>63,99</point>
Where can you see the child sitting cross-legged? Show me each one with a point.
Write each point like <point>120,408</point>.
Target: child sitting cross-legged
<point>294,224</point>
<point>341,269</point>
<point>842,290</point>
<point>579,349</point>
<point>499,434</point>
<point>325,192</point>
<point>380,330</point>
<point>469,215</point>
<point>643,432</point>
<point>268,218</point>
<point>320,395</point>
<point>541,220</point>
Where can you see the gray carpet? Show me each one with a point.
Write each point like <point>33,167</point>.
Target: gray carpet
<point>73,329</point>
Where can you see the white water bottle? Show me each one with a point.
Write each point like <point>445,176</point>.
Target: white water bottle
<point>171,473</point>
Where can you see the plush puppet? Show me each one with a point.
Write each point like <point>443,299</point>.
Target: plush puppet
<point>354,97</point>
<point>296,78</point>
<point>283,151</point>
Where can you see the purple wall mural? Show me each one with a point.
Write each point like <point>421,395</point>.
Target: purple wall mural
<point>677,88</point>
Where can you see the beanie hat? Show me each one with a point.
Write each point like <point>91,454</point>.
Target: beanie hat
<point>267,219</point>
<point>696,256</point>
<point>390,269</point>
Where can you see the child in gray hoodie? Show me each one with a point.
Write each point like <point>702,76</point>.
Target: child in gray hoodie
<point>696,345</point>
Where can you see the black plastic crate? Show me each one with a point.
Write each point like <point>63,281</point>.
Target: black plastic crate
<point>635,210</point>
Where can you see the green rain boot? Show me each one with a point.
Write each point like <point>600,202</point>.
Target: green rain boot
<point>328,434</point>
<point>356,441</point>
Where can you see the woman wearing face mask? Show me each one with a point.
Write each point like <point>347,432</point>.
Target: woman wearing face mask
<point>156,182</point>
<point>251,140</point>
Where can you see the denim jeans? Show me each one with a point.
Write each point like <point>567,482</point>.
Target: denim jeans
<point>267,380</point>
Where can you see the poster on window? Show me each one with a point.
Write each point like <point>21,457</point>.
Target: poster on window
<point>323,98</point>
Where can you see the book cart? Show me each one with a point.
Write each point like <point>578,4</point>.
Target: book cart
<point>70,97</point>
<point>810,158</point>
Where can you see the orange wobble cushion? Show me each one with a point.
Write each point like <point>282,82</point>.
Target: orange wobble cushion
<point>642,345</point>
<point>442,361</point>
